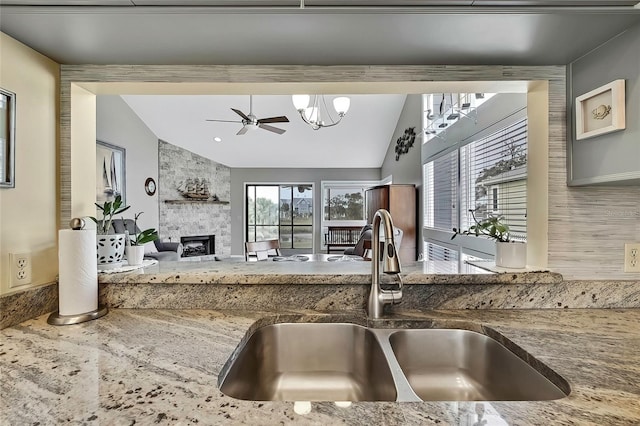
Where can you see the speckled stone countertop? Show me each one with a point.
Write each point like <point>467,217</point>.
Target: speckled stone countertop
<point>161,367</point>
<point>233,271</point>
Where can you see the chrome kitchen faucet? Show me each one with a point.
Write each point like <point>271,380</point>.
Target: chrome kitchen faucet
<point>391,265</point>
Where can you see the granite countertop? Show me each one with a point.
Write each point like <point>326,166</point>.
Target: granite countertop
<point>161,366</point>
<point>233,271</point>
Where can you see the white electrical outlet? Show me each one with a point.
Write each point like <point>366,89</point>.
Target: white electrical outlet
<point>20,269</point>
<point>632,257</point>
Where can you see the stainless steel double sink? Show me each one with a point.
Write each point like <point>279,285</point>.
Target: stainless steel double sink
<point>349,362</point>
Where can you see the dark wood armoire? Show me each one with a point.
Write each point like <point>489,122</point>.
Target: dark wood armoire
<point>400,201</point>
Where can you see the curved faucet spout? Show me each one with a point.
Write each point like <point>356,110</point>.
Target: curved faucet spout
<point>391,265</point>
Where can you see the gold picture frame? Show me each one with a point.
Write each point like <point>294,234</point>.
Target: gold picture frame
<point>601,111</point>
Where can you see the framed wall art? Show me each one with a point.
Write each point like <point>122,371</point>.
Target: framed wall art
<point>7,138</point>
<point>600,111</point>
<point>110,172</point>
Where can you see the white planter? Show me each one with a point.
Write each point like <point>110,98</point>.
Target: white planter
<point>511,255</point>
<point>135,254</point>
<point>110,251</point>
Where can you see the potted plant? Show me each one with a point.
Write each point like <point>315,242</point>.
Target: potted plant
<point>110,246</point>
<point>135,246</point>
<point>509,253</point>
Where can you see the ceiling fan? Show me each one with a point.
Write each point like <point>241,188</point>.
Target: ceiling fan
<point>250,122</point>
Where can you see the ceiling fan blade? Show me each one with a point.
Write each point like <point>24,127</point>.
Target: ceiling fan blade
<point>241,114</point>
<point>281,119</point>
<point>243,130</point>
<point>271,128</point>
<point>225,121</point>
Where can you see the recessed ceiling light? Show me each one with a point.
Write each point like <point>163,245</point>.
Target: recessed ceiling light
<point>217,139</point>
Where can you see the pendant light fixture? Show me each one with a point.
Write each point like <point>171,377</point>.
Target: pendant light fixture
<point>314,111</point>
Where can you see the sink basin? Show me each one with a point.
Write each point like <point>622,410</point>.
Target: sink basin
<point>310,362</point>
<point>348,362</point>
<point>462,365</point>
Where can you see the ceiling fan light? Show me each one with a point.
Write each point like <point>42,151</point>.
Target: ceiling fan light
<point>300,102</point>
<point>341,105</point>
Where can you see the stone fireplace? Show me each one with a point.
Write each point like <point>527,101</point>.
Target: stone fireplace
<point>183,217</point>
<point>198,245</point>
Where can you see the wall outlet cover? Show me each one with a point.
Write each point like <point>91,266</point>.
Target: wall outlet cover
<point>20,269</point>
<point>632,257</point>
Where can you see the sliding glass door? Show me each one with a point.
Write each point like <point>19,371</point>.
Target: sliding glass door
<point>281,212</point>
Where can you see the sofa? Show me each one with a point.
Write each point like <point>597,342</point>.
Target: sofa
<point>159,250</point>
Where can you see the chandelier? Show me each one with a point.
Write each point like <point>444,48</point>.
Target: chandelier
<point>314,111</point>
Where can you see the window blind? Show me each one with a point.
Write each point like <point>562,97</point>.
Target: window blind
<point>441,192</point>
<point>438,252</point>
<point>493,179</point>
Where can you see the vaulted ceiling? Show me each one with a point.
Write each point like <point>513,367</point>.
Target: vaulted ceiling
<point>360,140</point>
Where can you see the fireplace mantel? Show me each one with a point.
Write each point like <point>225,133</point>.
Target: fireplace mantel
<point>195,202</point>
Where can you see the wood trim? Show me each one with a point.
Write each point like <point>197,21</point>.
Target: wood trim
<point>382,78</point>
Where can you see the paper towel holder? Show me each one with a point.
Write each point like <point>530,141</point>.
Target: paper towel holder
<point>56,319</point>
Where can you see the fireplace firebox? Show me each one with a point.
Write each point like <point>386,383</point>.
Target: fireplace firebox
<point>198,245</point>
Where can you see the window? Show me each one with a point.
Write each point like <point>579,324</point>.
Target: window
<point>487,176</point>
<point>442,111</point>
<point>438,252</point>
<point>494,199</point>
<point>441,192</point>
<point>493,178</point>
<point>343,202</point>
<point>282,212</point>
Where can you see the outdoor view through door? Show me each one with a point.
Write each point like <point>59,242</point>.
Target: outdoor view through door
<point>281,212</point>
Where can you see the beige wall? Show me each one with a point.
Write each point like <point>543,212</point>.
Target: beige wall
<point>28,212</point>
<point>83,151</point>
<point>538,162</point>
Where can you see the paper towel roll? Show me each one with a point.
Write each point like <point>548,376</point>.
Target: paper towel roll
<point>78,271</point>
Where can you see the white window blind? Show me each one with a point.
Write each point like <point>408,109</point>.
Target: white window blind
<point>438,252</point>
<point>488,176</point>
<point>493,179</point>
<point>441,192</point>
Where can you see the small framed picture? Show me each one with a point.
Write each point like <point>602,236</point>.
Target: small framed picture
<point>7,138</point>
<point>600,111</point>
<point>110,172</point>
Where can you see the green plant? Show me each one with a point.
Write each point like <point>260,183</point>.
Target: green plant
<point>141,237</point>
<point>490,227</point>
<point>109,209</point>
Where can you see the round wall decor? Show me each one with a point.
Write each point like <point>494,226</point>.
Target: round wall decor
<point>150,186</point>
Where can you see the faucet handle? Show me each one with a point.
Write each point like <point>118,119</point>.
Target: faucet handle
<point>390,297</point>
<point>393,286</point>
